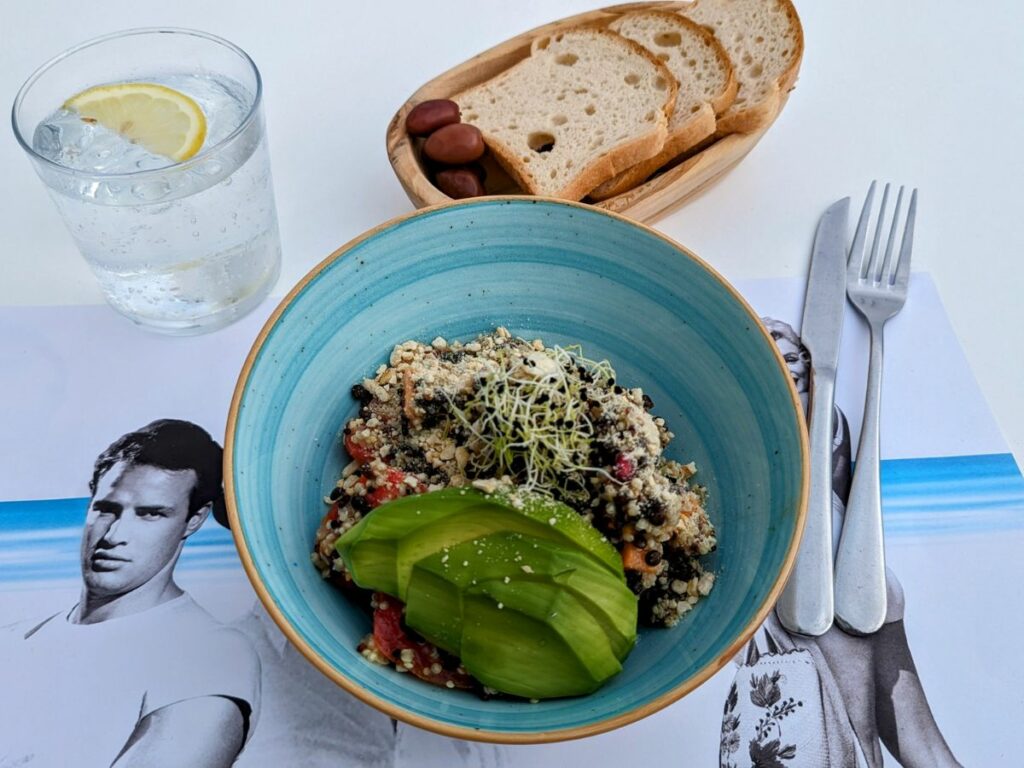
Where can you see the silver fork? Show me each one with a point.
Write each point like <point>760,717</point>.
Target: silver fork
<point>877,287</point>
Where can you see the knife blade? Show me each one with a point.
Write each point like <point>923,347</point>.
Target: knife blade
<point>806,605</point>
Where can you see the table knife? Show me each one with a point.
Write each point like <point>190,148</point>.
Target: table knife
<point>806,604</point>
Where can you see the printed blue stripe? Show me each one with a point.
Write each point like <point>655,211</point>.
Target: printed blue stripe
<point>952,494</point>
<point>39,539</point>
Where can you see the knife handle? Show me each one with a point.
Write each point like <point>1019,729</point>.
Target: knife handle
<point>806,605</point>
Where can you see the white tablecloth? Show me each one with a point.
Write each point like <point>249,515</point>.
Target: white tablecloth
<point>918,92</point>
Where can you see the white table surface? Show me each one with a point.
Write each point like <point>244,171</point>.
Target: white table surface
<point>922,92</point>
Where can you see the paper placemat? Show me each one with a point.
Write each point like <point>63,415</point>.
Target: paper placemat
<point>75,378</point>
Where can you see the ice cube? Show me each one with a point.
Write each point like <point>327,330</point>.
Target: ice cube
<point>46,140</point>
<point>83,144</point>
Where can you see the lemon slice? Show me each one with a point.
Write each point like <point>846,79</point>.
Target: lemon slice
<point>161,119</point>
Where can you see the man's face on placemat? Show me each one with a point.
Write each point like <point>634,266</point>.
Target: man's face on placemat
<point>137,521</point>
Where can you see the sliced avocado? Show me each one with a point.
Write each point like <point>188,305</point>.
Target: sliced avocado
<point>536,517</point>
<point>511,643</point>
<point>369,548</point>
<point>434,609</point>
<point>569,523</point>
<point>525,591</point>
<point>372,563</point>
<point>416,521</point>
<point>541,598</point>
<point>521,557</point>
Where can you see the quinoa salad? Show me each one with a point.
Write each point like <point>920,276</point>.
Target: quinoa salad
<point>504,412</point>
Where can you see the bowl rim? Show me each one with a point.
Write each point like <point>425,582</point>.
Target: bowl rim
<point>468,733</point>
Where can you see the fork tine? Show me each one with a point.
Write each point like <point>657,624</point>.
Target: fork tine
<point>903,267</point>
<point>872,270</point>
<point>856,262</point>
<point>885,276</point>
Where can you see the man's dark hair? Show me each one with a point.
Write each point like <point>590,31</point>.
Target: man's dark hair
<point>173,445</point>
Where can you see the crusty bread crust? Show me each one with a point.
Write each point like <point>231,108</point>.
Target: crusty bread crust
<point>611,162</point>
<point>694,130</point>
<point>697,128</point>
<point>750,118</point>
<point>756,115</point>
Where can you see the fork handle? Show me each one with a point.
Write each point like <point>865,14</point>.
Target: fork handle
<point>806,605</point>
<point>860,600</point>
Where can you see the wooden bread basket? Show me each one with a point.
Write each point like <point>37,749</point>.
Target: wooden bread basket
<point>664,192</point>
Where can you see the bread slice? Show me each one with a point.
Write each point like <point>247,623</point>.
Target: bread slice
<point>765,41</point>
<point>585,105</point>
<point>707,86</point>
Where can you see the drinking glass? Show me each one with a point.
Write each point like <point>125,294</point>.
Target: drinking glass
<point>177,247</point>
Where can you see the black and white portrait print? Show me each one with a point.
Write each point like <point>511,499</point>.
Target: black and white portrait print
<point>136,672</point>
<point>829,701</point>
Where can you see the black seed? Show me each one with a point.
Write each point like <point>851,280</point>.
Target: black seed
<point>518,465</point>
<point>618,390</point>
<point>639,541</point>
<point>653,557</point>
<point>335,493</point>
<point>360,504</point>
<point>655,512</point>
<point>645,607</point>
<point>648,403</point>
<point>434,411</point>
<point>681,569</point>
<point>361,393</point>
<point>603,455</point>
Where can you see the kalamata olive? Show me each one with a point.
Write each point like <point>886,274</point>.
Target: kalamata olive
<point>459,183</point>
<point>455,144</point>
<point>475,168</point>
<point>427,116</point>
<point>431,168</point>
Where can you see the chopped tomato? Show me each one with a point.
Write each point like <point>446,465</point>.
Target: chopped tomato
<point>332,514</point>
<point>390,489</point>
<point>359,453</point>
<point>394,486</point>
<point>391,639</point>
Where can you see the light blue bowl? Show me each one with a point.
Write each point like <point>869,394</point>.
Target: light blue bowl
<point>566,273</point>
